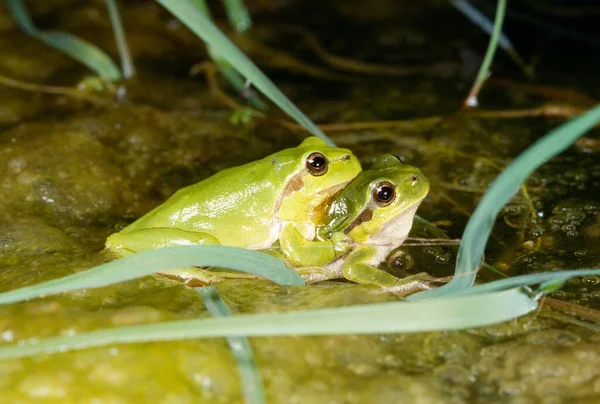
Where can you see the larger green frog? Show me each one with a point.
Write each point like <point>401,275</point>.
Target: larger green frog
<point>246,206</point>
<point>371,217</point>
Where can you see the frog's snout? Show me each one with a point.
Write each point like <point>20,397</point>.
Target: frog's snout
<point>416,179</point>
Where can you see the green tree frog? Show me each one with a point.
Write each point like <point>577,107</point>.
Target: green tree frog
<point>371,217</point>
<point>246,206</point>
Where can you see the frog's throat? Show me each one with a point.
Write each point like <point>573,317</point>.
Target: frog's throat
<point>394,231</point>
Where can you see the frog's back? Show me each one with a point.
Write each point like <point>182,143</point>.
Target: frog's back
<point>237,206</point>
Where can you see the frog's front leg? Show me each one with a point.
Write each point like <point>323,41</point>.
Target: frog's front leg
<point>357,268</point>
<point>301,252</point>
<point>124,244</point>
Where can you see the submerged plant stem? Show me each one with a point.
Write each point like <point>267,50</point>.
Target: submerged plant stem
<point>240,347</point>
<point>40,88</point>
<point>484,69</point>
<point>117,25</point>
<point>238,15</point>
<point>82,51</point>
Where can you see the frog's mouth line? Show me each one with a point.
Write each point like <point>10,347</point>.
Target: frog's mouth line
<point>364,216</point>
<point>328,196</point>
<point>335,189</point>
<point>367,214</point>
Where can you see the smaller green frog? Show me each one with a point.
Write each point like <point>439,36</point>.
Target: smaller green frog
<point>246,206</point>
<point>368,219</point>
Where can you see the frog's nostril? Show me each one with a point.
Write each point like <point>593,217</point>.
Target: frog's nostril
<point>347,157</point>
<point>414,178</point>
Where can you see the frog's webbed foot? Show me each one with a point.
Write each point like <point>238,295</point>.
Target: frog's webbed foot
<point>415,283</point>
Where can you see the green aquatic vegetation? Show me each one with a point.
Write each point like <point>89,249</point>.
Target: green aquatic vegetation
<point>153,261</point>
<point>484,69</point>
<point>457,306</point>
<point>501,304</point>
<point>238,15</point>
<point>189,15</point>
<point>84,52</point>
<point>479,19</point>
<point>115,20</point>
<point>240,347</point>
<point>432,315</point>
<point>480,225</point>
<point>227,70</point>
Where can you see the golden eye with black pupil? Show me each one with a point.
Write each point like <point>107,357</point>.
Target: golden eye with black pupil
<point>384,193</point>
<point>317,164</point>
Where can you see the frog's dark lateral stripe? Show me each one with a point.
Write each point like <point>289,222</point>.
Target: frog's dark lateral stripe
<point>364,216</point>
<point>294,185</point>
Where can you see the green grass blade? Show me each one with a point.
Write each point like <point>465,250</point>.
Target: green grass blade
<point>450,313</point>
<point>479,19</point>
<point>21,15</point>
<point>117,25</point>
<point>231,75</point>
<point>240,347</point>
<point>236,80</point>
<point>533,279</point>
<point>238,15</point>
<point>82,51</point>
<point>479,227</point>
<point>484,69</point>
<point>149,262</point>
<point>187,13</point>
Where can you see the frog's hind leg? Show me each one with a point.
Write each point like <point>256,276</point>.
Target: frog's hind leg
<point>125,244</point>
<point>357,268</point>
<point>151,239</point>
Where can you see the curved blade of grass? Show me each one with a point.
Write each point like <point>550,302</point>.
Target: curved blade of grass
<point>238,15</point>
<point>231,75</point>
<point>479,227</point>
<point>240,347</point>
<point>550,281</point>
<point>484,69</point>
<point>149,262</point>
<point>119,32</point>
<point>82,51</point>
<point>486,25</point>
<point>449,313</point>
<point>185,11</point>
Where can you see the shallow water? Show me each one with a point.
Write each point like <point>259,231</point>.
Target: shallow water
<point>72,173</point>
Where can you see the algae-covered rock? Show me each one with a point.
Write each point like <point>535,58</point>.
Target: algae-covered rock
<point>21,57</point>
<point>62,174</point>
<point>161,151</point>
<point>549,366</point>
<point>32,236</point>
<point>16,106</point>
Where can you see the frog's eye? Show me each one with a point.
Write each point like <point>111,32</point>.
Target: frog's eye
<point>384,193</point>
<point>316,164</point>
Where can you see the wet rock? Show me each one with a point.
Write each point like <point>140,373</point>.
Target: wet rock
<point>21,57</point>
<point>31,237</point>
<point>60,173</point>
<point>16,106</point>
